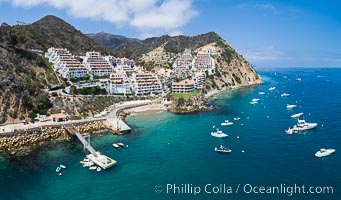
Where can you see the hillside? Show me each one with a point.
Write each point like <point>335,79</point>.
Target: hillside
<point>24,73</point>
<point>120,44</point>
<point>232,69</point>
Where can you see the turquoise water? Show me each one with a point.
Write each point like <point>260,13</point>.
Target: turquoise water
<point>178,149</point>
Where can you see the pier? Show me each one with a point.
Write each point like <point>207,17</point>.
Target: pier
<point>101,160</point>
<point>118,125</point>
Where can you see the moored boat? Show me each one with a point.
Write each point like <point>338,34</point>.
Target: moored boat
<point>236,118</point>
<point>222,149</point>
<point>272,88</point>
<point>302,125</point>
<point>226,123</point>
<point>290,131</point>
<point>116,145</point>
<point>297,115</point>
<point>219,134</point>
<point>291,106</point>
<point>285,94</point>
<point>120,144</point>
<point>261,93</point>
<point>58,169</point>
<point>92,168</point>
<point>324,152</point>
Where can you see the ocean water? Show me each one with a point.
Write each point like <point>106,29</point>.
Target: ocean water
<point>167,150</point>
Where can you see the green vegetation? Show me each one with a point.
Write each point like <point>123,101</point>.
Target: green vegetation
<point>98,77</point>
<point>49,73</point>
<point>96,90</point>
<point>185,95</point>
<point>170,47</point>
<point>78,79</point>
<point>54,94</point>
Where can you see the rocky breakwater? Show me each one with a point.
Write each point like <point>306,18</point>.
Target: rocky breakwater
<point>92,127</point>
<point>23,141</point>
<point>189,105</point>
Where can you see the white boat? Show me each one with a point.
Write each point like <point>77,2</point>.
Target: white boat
<point>324,152</point>
<point>116,145</point>
<point>86,159</point>
<point>226,123</point>
<point>272,88</point>
<point>62,166</point>
<point>92,168</point>
<point>261,93</point>
<point>98,169</point>
<point>219,134</point>
<point>236,118</point>
<point>59,174</point>
<point>298,79</point>
<point>297,115</point>
<point>291,106</point>
<point>86,164</point>
<point>222,149</point>
<point>58,169</point>
<point>120,144</point>
<point>285,95</point>
<point>290,131</point>
<point>302,125</point>
<point>253,102</point>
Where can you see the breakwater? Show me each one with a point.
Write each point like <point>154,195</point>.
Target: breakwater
<point>24,141</point>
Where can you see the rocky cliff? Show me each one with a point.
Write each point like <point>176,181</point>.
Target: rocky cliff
<point>188,105</point>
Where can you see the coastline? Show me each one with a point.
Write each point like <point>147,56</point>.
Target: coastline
<point>215,92</point>
<point>146,108</point>
<point>22,142</point>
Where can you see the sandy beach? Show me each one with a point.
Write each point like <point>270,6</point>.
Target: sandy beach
<point>150,107</point>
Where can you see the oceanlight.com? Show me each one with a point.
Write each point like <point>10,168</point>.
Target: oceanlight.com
<point>281,189</point>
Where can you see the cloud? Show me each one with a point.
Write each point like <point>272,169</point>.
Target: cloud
<point>150,17</point>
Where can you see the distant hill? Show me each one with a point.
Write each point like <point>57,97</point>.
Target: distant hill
<point>120,44</point>
<point>24,73</point>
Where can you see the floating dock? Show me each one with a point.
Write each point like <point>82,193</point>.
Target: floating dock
<point>101,160</point>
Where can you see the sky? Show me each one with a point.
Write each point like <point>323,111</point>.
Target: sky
<point>273,33</point>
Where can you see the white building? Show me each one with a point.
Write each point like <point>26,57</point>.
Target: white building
<point>119,83</point>
<point>65,63</point>
<point>184,86</point>
<point>203,62</point>
<point>146,83</point>
<point>199,78</point>
<point>97,64</point>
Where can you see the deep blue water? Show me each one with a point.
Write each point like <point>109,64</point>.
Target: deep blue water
<point>178,149</point>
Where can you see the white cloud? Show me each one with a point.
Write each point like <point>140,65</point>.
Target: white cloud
<point>151,17</point>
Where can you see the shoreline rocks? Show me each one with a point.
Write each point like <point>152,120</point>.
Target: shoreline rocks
<point>22,142</point>
<point>192,104</point>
